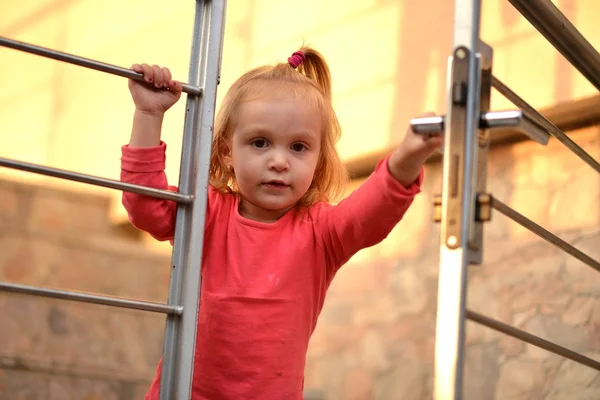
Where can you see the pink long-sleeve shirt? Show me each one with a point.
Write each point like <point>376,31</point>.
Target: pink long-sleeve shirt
<point>263,284</point>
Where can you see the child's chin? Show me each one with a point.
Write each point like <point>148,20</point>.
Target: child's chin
<point>277,205</point>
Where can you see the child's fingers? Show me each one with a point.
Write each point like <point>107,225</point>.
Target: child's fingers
<point>176,86</point>
<point>144,70</point>
<point>148,73</point>
<point>167,78</point>
<point>166,75</point>
<point>435,143</point>
<point>435,140</point>
<point>173,85</point>
<point>158,76</point>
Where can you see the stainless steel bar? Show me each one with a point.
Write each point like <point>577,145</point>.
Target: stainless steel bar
<point>500,119</point>
<point>539,119</point>
<point>563,35</point>
<point>95,180</point>
<point>528,110</point>
<point>180,336</point>
<point>544,234</point>
<point>532,339</point>
<point>91,298</point>
<point>428,125</point>
<point>489,120</point>
<point>458,198</point>
<point>84,62</point>
<point>533,131</point>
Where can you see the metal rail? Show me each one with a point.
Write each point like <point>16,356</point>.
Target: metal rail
<point>84,62</point>
<point>91,298</point>
<point>563,35</point>
<point>95,180</point>
<point>532,339</point>
<point>180,339</point>
<point>543,122</point>
<point>543,233</point>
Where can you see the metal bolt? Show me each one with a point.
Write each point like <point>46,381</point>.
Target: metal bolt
<point>451,241</point>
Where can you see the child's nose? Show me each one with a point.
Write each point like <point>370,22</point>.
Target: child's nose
<point>278,161</point>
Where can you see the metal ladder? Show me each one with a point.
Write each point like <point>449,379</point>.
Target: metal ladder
<point>464,204</point>
<point>184,287</point>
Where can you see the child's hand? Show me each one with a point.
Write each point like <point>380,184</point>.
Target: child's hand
<point>407,160</point>
<point>159,92</point>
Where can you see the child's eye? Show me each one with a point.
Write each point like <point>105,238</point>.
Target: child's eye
<point>260,143</point>
<point>298,147</point>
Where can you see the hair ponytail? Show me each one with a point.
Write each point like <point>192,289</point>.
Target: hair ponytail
<point>315,68</point>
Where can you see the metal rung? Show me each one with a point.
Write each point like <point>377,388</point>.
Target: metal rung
<point>94,180</point>
<point>538,118</point>
<point>91,298</point>
<point>544,234</point>
<point>489,120</point>
<point>561,33</point>
<point>85,62</point>
<point>532,339</point>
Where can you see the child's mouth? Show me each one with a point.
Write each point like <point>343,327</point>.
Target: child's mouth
<point>276,184</point>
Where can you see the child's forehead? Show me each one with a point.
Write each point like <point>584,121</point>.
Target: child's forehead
<point>264,100</point>
<point>273,90</point>
<point>277,109</point>
<point>281,102</point>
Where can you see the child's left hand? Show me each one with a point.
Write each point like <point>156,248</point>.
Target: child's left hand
<point>406,161</point>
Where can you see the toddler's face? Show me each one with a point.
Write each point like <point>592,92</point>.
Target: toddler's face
<point>274,152</point>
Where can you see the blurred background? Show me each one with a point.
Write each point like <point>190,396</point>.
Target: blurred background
<point>375,336</point>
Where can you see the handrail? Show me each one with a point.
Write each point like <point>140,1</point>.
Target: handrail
<point>95,180</point>
<point>84,62</point>
<point>563,35</point>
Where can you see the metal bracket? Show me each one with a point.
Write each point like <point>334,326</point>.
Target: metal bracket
<point>487,120</point>
<point>475,226</point>
<point>483,208</point>
<point>518,119</point>
<point>452,230</point>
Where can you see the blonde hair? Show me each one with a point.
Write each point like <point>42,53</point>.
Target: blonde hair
<point>311,81</point>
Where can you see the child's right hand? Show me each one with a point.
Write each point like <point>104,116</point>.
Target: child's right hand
<point>158,93</point>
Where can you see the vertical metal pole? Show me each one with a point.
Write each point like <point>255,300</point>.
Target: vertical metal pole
<point>485,57</point>
<point>458,199</point>
<point>180,334</point>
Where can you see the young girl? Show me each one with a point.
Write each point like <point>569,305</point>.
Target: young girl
<point>272,241</point>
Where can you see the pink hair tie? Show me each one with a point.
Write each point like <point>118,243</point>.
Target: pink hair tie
<point>296,58</point>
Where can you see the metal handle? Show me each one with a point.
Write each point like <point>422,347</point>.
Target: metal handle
<point>489,120</point>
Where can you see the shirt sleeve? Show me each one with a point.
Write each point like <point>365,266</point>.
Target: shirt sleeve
<point>146,167</point>
<point>366,216</point>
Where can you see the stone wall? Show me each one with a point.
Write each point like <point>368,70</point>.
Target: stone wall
<point>55,349</point>
<point>375,338</point>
